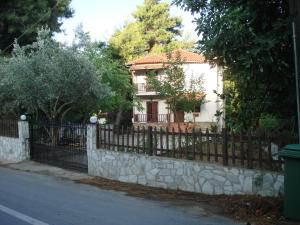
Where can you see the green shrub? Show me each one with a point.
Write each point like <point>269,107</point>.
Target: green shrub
<point>269,122</point>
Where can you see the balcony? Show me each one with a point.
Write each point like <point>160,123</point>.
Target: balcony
<point>151,118</point>
<point>142,88</point>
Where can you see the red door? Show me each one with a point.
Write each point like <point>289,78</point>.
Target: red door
<point>152,111</point>
<point>179,117</point>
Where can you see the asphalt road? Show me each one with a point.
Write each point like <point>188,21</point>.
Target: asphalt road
<point>30,198</point>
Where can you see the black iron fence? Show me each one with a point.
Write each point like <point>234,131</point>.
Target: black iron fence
<point>61,144</point>
<point>9,128</point>
<point>251,150</point>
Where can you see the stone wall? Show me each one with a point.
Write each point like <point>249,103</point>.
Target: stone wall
<point>15,149</point>
<point>180,174</point>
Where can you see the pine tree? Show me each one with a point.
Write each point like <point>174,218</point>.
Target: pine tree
<point>22,18</point>
<point>152,31</point>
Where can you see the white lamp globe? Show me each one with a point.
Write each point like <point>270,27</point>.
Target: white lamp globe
<point>93,119</point>
<point>23,117</point>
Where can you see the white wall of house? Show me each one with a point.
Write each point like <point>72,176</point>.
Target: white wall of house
<point>212,81</point>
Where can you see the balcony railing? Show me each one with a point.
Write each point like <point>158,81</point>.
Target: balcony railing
<point>143,87</point>
<point>151,118</point>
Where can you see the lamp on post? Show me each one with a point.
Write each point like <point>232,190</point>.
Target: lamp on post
<point>26,117</point>
<point>23,118</point>
<point>294,6</point>
<point>93,119</point>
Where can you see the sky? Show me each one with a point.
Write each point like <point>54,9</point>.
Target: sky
<point>102,17</point>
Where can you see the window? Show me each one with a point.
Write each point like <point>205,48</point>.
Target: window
<point>152,71</point>
<point>197,108</point>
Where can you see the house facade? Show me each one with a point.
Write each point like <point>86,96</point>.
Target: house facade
<point>155,109</point>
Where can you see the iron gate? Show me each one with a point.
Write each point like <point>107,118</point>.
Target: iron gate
<point>59,144</point>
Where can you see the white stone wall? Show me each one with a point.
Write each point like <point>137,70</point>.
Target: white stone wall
<point>180,174</point>
<point>15,149</point>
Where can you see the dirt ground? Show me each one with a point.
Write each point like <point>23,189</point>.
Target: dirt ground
<point>254,210</point>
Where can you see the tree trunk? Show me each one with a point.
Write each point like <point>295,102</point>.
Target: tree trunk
<point>169,116</point>
<point>119,116</point>
<point>176,120</point>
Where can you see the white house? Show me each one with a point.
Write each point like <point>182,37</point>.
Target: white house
<point>155,110</point>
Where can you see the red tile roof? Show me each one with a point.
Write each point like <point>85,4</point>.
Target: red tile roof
<point>187,57</point>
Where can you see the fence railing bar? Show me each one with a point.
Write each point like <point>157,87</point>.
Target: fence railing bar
<point>249,151</point>
<point>225,147</point>
<point>200,145</point>
<point>138,140</point>
<point>260,151</point>
<point>132,139</point>
<point>173,142</point>
<point>112,132</point>
<point>167,141</point>
<point>150,141</point>
<point>161,140</point>
<point>233,147</point>
<point>236,149</point>
<point>270,159</point>
<point>122,134</point>
<point>194,143</point>
<point>155,141</point>
<point>179,144</point>
<point>207,144</point>
<point>144,140</point>
<point>186,152</point>
<point>104,141</point>
<point>9,128</point>
<point>216,146</point>
<point>127,140</point>
<point>118,138</point>
<point>242,152</point>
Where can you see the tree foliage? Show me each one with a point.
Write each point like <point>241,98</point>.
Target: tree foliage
<point>24,17</point>
<point>50,81</point>
<point>180,94</point>
<point>151,31</point>
<point>111,67</point>
<point>251,40</point>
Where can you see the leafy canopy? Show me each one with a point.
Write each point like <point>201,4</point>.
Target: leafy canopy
<point>251,40</point>
<point>113,72</point>
<point>51,81</point>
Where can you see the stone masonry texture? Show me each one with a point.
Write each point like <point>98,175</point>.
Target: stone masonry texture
<point>184,175</point>
<point>178,174</point>
<point>15,149</point>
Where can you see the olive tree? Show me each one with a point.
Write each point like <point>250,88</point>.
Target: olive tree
<point>51,81</point>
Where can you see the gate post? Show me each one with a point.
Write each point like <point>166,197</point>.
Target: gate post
<point>23,128</point>
<point>91,145</point>
<point>91,137</point>
<point>30,134</point>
